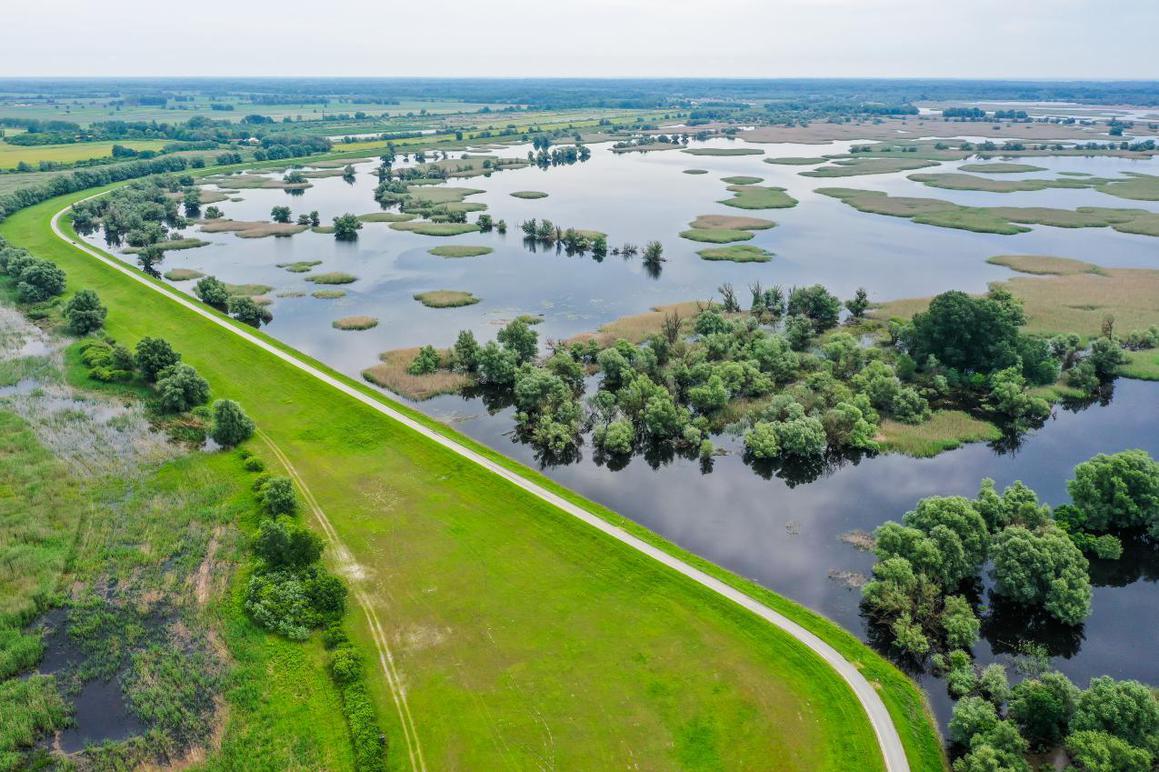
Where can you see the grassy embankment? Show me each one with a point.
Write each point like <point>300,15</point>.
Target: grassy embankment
<point>479,584</point>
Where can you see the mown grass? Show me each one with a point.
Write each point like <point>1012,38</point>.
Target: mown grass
<point>446,299</point>
<point>741,253</point>
<point>459,250</point>
<point>945,430</point>
<point>12,155</point>
<point>547,579</point>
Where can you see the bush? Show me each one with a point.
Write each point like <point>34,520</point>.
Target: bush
<point>231,426</point>
<point>154,355</point>
<point>84,312</point>
<point>254,464</point>
<point>292,604</point>
<point>212,291</point>
<point>248,311</point>
<point>282,543</point>
<point>425,362</point>
<point>180,388</point>
<point>278,497</point>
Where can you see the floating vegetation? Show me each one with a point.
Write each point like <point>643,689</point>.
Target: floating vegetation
<point>183,274</point>
<point>459,250</point>
<point>446,298</point>
<point>737,254</point>
<point>333,277</point>
<point>354,323</point>
<point>300,266</point>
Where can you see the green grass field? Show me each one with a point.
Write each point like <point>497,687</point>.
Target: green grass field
<point>12,155</point>
<point>525,637</point>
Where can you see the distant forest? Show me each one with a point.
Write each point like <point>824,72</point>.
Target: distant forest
<point>580,92</point>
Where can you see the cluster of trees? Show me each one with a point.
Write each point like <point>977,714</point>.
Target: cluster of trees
<point>36,280</point>
<point>559,156</point>
<point>283,214</point>
<point>573,241</point>
<point>927,565</point>
<point>214,292</point>
<point>1111,726</point>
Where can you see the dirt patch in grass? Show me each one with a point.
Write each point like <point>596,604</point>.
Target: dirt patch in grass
<point>796,161</point>
<point>391,373</point>
<point>757,197</point>
<point>427,228</point>
<point>529,194</point>
<point>861,165</point>
<point>386,217</point>
<point>332,277</point>
<point>742,180</point>
<point>459,250</point>
<point>251,229</point>
<point>300,266</point>
<point>737,254</point>
<point>354,323</point>
<point>1043,264</point>
<point>1000,168</point>
<point>328,294</point>
<point>716,235</point>
<point>696,171</point>
<point>446,298</point>
<point>639,327</point>
<point>182,274</point>
<point>945,430</point>
<point>723,151</point>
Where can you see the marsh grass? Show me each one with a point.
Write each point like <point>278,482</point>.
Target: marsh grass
<point>696,171</point>
<point>446,298</point>
<point>300,266</point>
<point>723,151</point>
<point>330,294</point>
<point>639,327</point>
<point>459,250</point>
<point>172,245</point>
<point>757,197</point>
<point>391,373</point>
<point>251,229</point>
<point>1043,265</point>
<point>182,274</point>
<point>249,290</point>
<point>529,194</point>
<point>385,217</point>
<point>945,430</point>
<point>796,161</point>
<point>427,228</point>
<point>865,164</point>
<point>741,180</point>
<point>732,222</point>
<point>332,277</point>
<point>998,167</point>
<point>715,235</point>
<point>737,254</point>
<point>354,323</point>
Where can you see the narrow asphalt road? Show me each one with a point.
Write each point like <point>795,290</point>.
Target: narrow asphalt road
<point>887,736</point>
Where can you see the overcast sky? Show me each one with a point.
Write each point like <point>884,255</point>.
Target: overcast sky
<point>749,38</point>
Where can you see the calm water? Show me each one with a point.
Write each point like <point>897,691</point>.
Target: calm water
<point>785,536</point>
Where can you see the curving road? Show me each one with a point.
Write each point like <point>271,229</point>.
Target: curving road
<point>887,736</point>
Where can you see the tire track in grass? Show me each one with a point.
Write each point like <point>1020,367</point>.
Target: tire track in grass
<point>385,658</point>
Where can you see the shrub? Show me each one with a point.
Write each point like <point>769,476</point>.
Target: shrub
<point>180,388</point>
<point>248,311</point>
<point>154,355</point>
<point>282,543</point>
<point>231,426</point>
<point>425,362</point>
<point>277,496</point>
<point>84,312</point>
<point>212,291</point>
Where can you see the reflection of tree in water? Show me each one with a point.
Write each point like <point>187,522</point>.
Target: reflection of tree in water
<point>1009,625</point>
<point>495,399</point>
<point>796,471</point>
<point>1102,397</point>
<point>1140,560</point>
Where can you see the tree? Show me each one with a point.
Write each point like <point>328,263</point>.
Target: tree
<point>960,623</point>
<point>1103,752</point>
<point>518,338</point>
<point>761,441</point>
<point>277,496</point>
<point>282,543</point>
<point>972,716</point>
<point>231,426</point>
<point>820,306</point>
<point>1106,356</point>
<point>616,438</point>
<point>993,684</point>
<point>846,427</point>
<point>425,362</point>
<point>248,311</point>
<point>148,258</point>
<point>858,305</point>
<point>1043,568</point>
<point>799,332</point>
<point>212,291</point>
<point>154,355</point>
<point>1011,400</point>
<point>801,437</point>
<point>84,312</point>
<point>346,227</point>
<point>1042,707</point>
<point>280,214</point>
<point>38,280</point>
<point>496,365</point>
<point>465,354</point>
<point>1118,491</point>
<point>653,253</point>
<point>908,636</point>
<point>967,334</point>
<point>1128,710</point>
<point>180,388</point>
<point>191,199</point>
<point>213,213</point>
<point>315,218</point>
<point>943,537</point>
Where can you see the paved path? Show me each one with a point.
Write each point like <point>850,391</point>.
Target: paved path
<point>887,737</point>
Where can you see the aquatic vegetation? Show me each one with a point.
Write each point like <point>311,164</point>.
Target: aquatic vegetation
<point>354,323</point>
<point>182,274</point>
<point>459,250</point>
<point>332,277</point>
<point>529,194</point>
<point>758,197</point>
<point>446,298</point>
<point>862,164</point>
<point>737,254</point>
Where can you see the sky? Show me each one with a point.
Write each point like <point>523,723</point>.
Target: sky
<point>1073,39</point>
